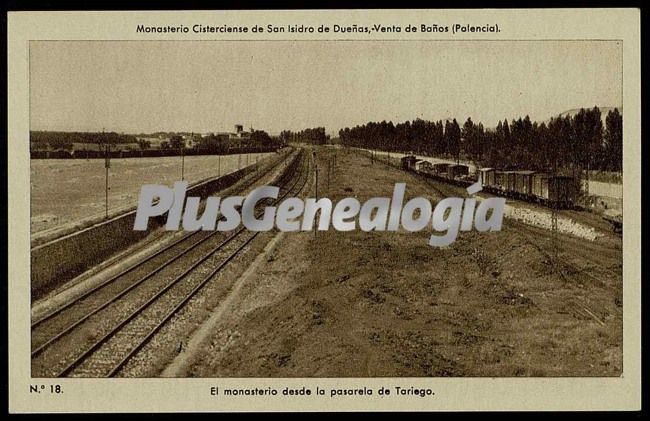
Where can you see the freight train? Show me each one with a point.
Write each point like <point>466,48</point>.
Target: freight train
<point>556,191</point>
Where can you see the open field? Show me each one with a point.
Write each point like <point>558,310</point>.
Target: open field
<point>66,191</point>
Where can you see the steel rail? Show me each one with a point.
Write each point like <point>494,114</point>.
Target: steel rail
<point>69,328</point>
<point>134,266</point>
<point>97,344</point>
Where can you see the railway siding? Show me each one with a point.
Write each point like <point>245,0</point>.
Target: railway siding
<point>525,212</point>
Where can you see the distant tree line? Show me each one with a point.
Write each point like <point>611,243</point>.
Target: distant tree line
<point>64,140</point>
<point>215,143</point>
<point>577,141</point>
<point>212,143</point>
<point>315,136</point>
<point>260,137</point>
<point>165,135</point>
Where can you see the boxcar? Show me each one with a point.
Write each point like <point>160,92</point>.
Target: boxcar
<point>440,169</point>
<point>554,190</point>
<point>562,190</point>
<point>423,166</point>
<point>524,183</point>
<point>454,171</point>
<point>540,186</point>
<point>509,182</point>
<point>500,180</point>
<point>486,177</point>
<point>408,162</point>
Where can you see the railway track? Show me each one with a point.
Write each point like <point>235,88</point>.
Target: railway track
<point>245,182</point>
<point>566,266</point>
<point>160,255</point>
<point>572,250</point>
<point>96,334</point>
<point>93,300</point>
<point>573,273</point>
<point>539,238</point>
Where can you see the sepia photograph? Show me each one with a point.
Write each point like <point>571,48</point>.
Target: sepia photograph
<point>322,292</point>
<point>324,210</point>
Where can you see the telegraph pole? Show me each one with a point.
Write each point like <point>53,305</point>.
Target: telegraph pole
<point>107,165</point>
<point>183,157</point>
<point>316,176</point>
<point>329,168</point>
<point>587,179</point>
<point>554,239</point>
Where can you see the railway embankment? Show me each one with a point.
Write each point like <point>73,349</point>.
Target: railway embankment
<point>60,259</point>
<point>525,212</point>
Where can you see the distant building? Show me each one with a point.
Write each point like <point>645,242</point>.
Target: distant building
<point>154,142</point>
<point>239,134</point>
<point>192,140</point>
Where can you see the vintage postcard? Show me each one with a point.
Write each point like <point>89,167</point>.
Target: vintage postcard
<point>324,210</point>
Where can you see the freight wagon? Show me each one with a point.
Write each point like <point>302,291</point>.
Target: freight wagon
<point>455,171</point>
<point>486,176</point>
<point>423,166</point>
<point>524,184</point>
<point>550,190</point>
<point>500,182</point>
<point>440,169</point>
<point>408,163</point>
<point>554,190</point>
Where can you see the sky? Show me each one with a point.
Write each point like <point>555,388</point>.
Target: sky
<point>209,86</point>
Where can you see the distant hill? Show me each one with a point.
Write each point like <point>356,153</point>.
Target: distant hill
<point>603,112</point>
<point>603,115</point>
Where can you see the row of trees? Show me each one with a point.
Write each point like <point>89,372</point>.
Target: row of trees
<point>315,136</point>
<point>573,141</point>
<point>419,136</point>
<point>65,140</point>
<point>211,143</point>
<point>221,143</point>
